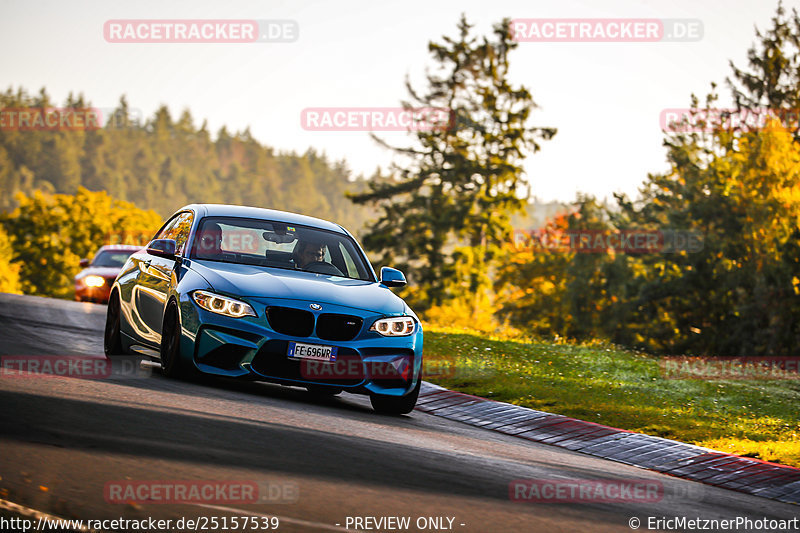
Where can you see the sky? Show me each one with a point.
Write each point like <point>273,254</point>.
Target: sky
<point>604,98</point>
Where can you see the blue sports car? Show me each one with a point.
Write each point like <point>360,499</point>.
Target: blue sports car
<point>268,295</point>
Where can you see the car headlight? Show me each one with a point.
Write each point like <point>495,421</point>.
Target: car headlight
<point>222,305</point>
<point>94,281</point>
<point>400,326</point>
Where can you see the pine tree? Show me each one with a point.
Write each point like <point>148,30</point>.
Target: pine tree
<point>450,204</point>
<point>773,78</point>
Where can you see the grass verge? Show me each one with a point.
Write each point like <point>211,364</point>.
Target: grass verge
<point>620,388</point>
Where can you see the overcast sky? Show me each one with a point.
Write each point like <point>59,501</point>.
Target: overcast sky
<point>604,98</point>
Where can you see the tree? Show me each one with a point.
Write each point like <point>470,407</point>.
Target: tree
<point>773,78</point>
<point>738,187</point>
<point>9,271</point>
<point>51,233</point>
<point>164,164</point>
<point>548,288</point>
<point>444,214</point>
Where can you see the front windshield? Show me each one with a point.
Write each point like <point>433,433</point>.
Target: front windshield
<point>278,245</point>
<point>111,258</point>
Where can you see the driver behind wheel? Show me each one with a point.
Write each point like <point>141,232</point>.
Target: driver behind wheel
<point>307,252</point>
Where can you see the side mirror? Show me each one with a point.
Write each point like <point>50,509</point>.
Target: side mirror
<point>391,277</point>
<point>84,263</point>
<point>162,248</point>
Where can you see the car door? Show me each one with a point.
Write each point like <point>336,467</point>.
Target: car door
<point>156,276</point>
<point>128,280</point>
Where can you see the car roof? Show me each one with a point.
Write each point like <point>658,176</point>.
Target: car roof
<point>223,210</point>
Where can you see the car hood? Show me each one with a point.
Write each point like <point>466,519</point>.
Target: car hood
<point>260,282</point>
<point>105,272</point>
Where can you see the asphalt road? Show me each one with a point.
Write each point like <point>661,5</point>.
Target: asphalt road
<point>65,441</point>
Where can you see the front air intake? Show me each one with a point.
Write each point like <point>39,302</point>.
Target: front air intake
<point>333,327</point>
<point>289,321</point>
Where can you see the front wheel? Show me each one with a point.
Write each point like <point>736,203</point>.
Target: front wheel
<point>112,339</point>
<point>171,364</point>
<point>396,405</point>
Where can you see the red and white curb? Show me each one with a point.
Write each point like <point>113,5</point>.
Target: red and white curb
<point>751,476</point>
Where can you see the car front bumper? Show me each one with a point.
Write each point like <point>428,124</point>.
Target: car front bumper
<point>84,293</point>
<point>250,347</point>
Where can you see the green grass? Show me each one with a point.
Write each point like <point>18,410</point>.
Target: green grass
<point>620,388</point>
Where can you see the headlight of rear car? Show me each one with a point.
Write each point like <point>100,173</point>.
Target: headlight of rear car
<point>401,326</point>
<point>94,281</point>
<point>222,305</point>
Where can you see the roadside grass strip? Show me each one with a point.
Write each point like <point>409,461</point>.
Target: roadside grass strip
<point>673,426</point>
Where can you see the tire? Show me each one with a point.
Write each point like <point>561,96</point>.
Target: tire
<point>112,338</point>
<point>396,405</point>
<point>322,391</point>
<point>171,364</point>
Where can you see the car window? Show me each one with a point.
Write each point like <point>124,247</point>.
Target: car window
<point>166,228</point>
<point>278,245</point>
<point>111,258</point>
<point>178,229</point>
<point>352,270</point>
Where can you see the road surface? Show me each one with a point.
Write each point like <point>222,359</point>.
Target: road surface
<point>319,465</point>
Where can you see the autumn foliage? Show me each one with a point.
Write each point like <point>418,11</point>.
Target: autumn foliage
<point>50,233</point>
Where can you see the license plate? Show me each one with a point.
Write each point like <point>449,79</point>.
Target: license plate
<point>316,352</point>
